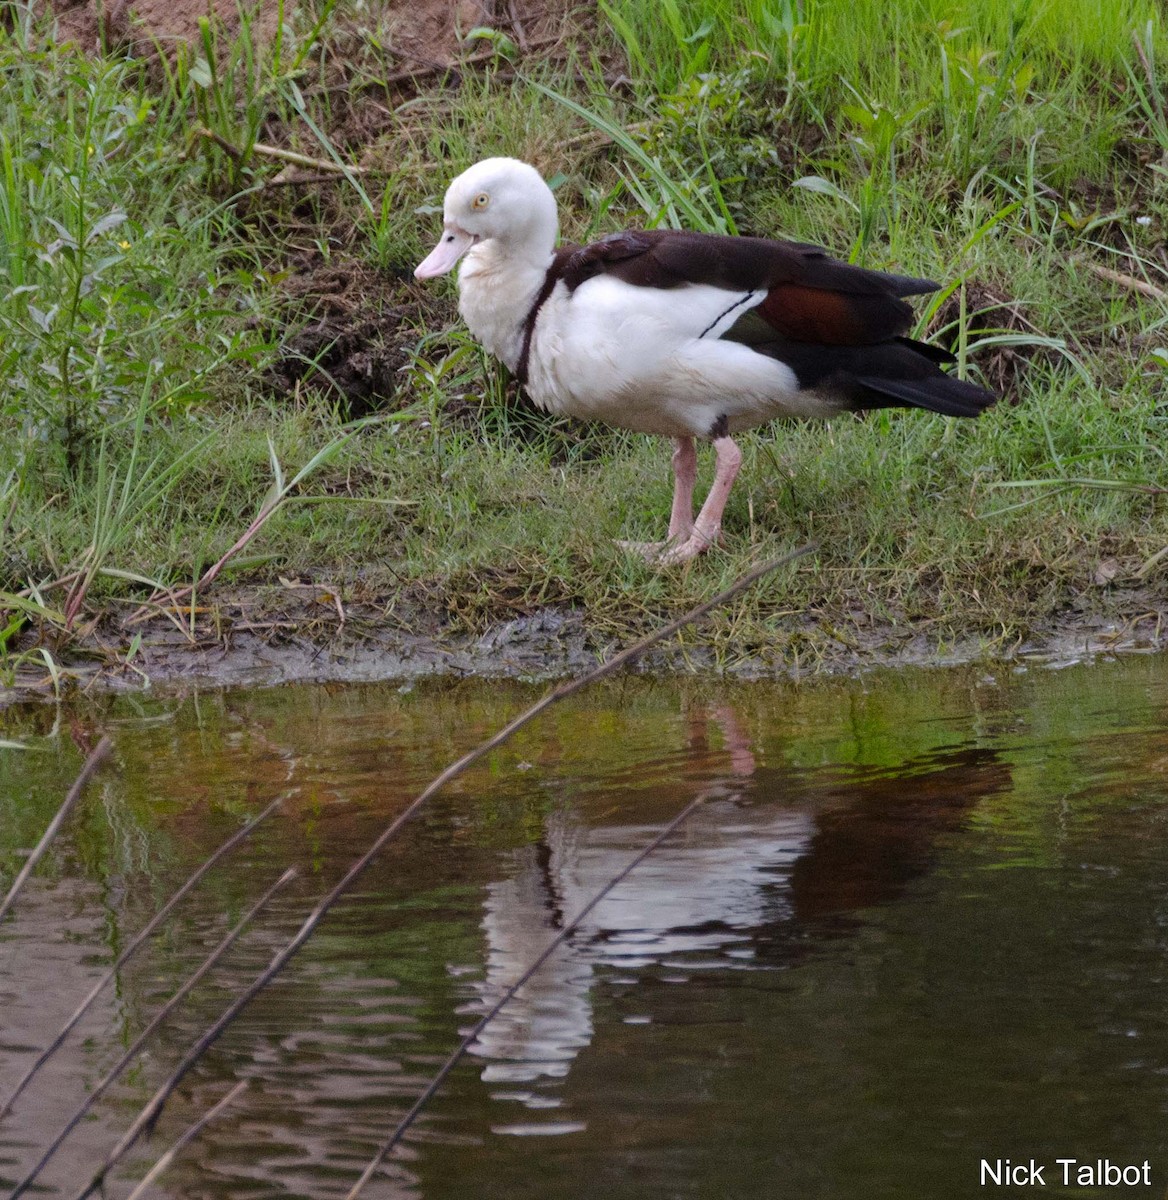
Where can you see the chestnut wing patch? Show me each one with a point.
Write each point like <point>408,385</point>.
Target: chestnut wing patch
<point>833,318</point>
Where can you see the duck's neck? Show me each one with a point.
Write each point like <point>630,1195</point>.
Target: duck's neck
<point>497,287</point>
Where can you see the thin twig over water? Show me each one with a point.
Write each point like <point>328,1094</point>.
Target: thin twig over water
<point>190,1135</point>
<point>160,1016</point>
<point>91,764</point>
<point>153,1108</point>
<point>440,1075</point>
<point>137,941</point>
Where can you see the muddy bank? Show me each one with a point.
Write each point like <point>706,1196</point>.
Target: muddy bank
<point>307,634</point>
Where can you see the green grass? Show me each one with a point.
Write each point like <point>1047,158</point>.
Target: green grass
<point>1014,152</point>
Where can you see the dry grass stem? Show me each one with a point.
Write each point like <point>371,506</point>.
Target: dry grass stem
<point>96,756</point>
<point>135,944</point>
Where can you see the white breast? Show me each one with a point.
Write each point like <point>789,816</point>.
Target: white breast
<point>495,294</point>
<point>649,359</point>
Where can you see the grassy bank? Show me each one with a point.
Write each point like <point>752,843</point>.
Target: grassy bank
<point>166,427</point>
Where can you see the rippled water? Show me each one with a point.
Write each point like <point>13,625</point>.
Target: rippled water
<point>919,921</point>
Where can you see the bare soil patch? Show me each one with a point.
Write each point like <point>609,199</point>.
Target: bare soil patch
<point>349,335</point>
<point>425,33</point>
<point>145,28</point>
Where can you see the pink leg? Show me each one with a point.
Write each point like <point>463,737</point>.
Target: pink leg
<point>685,473</point>
<point>709,523</point>
<point>681,520</point>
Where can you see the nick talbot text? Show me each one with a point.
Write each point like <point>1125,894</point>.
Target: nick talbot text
<point>1070,1172</point>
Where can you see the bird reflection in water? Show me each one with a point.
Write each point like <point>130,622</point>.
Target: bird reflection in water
<point>775,855</point>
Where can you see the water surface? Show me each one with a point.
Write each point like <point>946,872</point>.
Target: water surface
<point>919,921</point>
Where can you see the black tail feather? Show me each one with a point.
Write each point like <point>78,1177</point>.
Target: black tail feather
<point>939,393</point>
<point>898,371</point>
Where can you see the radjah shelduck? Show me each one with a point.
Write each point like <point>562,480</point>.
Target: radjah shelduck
<point>688,335</point>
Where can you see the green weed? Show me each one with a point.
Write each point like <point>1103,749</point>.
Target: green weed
<point>125,497</point>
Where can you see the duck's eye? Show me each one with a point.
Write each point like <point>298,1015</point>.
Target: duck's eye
<point>480,201</point>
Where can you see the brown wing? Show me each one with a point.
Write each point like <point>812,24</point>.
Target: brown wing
<point>811,297</point>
